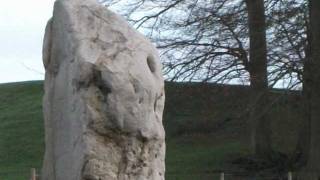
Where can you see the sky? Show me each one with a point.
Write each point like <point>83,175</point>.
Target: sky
<point>22,25</point>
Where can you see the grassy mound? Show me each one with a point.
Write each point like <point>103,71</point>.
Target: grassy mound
<point>205,126</point>
<point>21,129</point>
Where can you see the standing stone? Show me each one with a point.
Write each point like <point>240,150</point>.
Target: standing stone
<point>104,97</point>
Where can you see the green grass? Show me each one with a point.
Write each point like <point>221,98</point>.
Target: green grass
<point>198,157</point>
<point>21,129</point>
<point>204,123</point>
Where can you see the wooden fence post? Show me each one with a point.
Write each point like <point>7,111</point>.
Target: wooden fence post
<point>222,176</point>
<point>289,175</point>
<point>33,174</point>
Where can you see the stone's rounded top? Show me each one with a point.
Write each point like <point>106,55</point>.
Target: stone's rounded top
<point>101,36</point>
<point>76,3</point>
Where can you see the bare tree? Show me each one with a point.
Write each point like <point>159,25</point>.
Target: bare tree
<point>200,40</point>
<point>260,123</point>
<point>208,40</point>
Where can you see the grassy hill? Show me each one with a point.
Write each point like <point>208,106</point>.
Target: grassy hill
<point>21,129</point>
<point>205,126</point>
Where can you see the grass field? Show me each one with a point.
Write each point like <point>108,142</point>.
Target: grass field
<point>21,129</point>
<point>205,127</point>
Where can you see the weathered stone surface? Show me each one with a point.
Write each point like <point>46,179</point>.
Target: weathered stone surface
<point>104,97</point>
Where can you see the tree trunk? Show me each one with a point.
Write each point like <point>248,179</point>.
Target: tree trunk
<point>313,166</point>
<point>260,125</point>
<point>303,145</point>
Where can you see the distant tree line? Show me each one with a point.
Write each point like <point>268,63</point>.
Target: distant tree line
<point>261,43</point>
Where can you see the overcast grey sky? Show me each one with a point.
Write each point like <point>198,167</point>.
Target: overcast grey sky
<point>22,25</point>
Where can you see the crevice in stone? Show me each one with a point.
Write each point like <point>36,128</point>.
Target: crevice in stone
<point>99,82</point>
<point>151,64</point>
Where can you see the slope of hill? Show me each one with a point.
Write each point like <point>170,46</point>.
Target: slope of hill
<point>21,129</point>
<point>205,126</point>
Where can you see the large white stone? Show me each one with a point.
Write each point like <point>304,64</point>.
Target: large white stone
<point>104,97</point>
